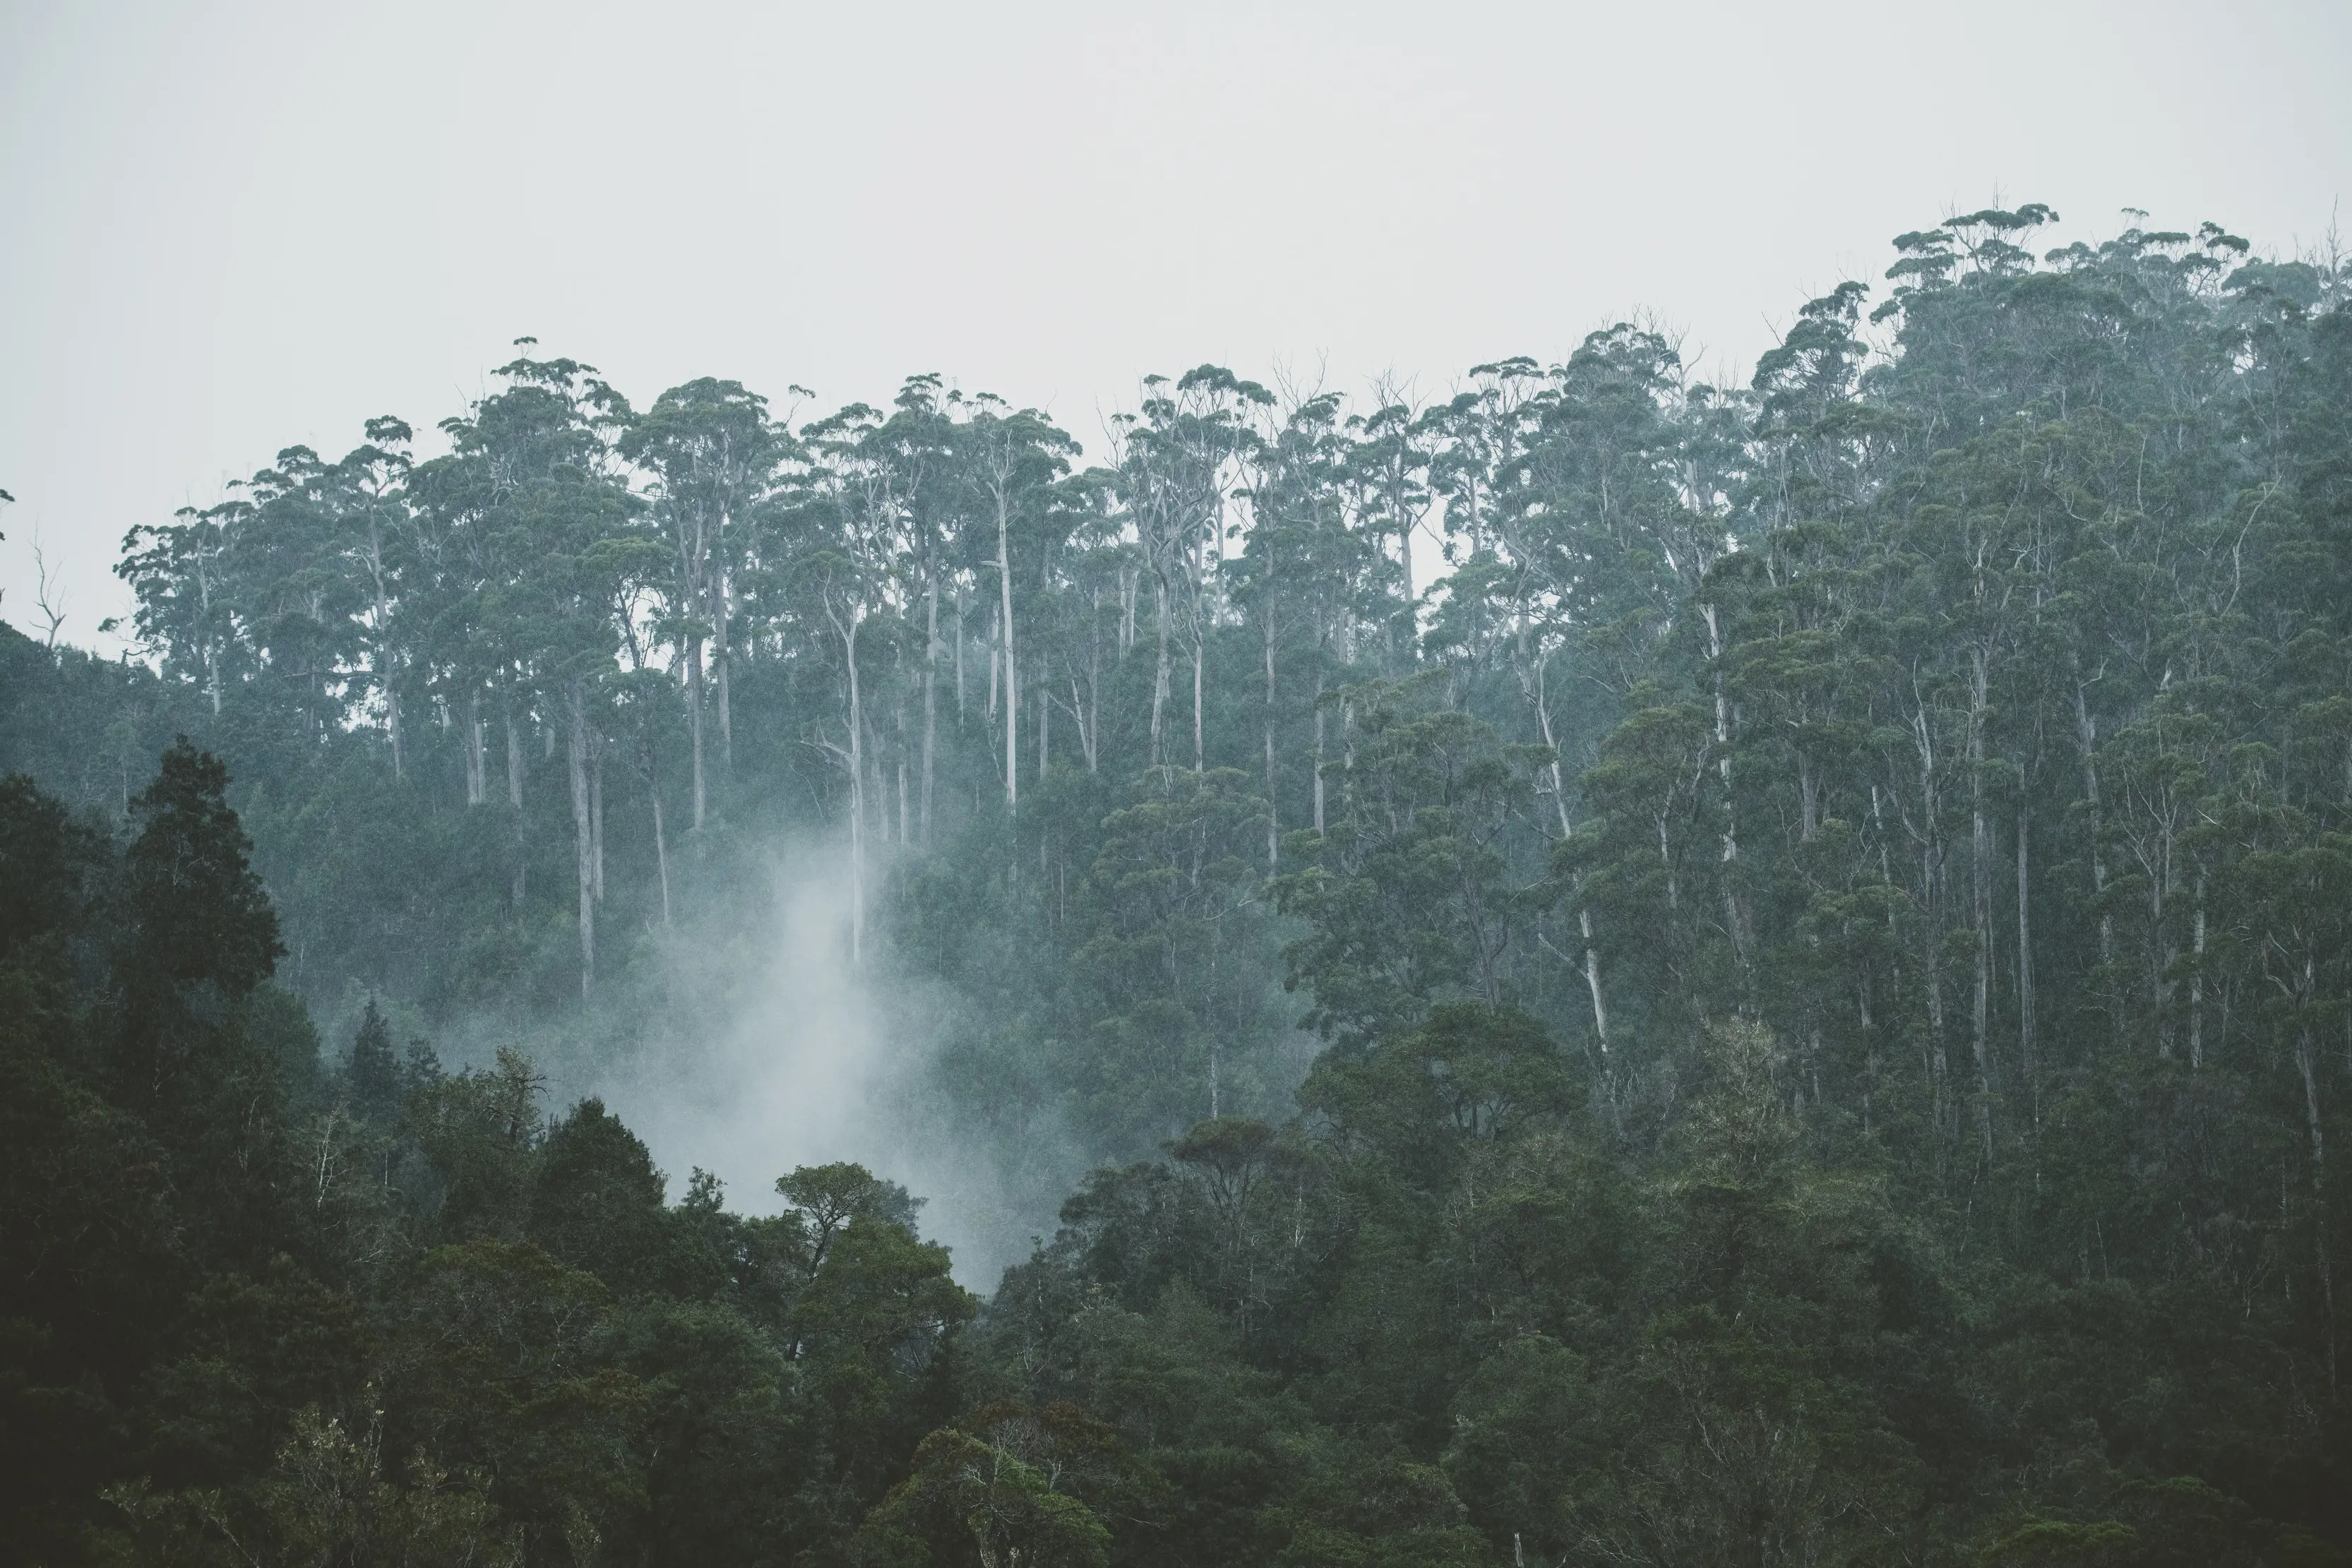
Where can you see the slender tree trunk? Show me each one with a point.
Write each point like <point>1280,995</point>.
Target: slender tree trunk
<point>1940,1068</point>
<point>596,807</point>
<point>2197,981</point>
<point>1011,667</point>
<point>2086,731</point>
<point>661,836</point>
<point>1094,687</point>
<point>1272,816</point>
<point>1082,715</point>
<point>1593,980</point>
<point>2160,951</point>
<point>1559,783</point>
<point>930,691</point>
<point>1159,687</point>
<point>1734,907</point>
<point>721,592</point>
<point>1318,756</point>
<point>1931,860</point>
<point>476,768</point>
<point>385,660</point>
<point>1980,903</point>
<point>391,726</point>
<point>1583,914</point>
<point>1347,754</point>
<point>694,727</point>
<point>959,642</point>
<point>2026,1062</point>
<point>847,627</point>
<point>1044,726</point>
<point>514,757</point>
<point>583,833</point>
<point>2304,1052</point>
<point>1200,754</point>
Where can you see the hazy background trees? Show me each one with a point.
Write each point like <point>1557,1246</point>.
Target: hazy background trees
<point>1697,972</point>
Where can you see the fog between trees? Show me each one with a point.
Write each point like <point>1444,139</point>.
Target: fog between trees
<point>1774,992</point>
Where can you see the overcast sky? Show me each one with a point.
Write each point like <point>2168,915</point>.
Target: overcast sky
<point>234,227</point>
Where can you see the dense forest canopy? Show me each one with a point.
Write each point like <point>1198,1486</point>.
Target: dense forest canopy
<point>1777,991</point>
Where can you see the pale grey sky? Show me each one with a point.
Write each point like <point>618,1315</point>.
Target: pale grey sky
<point>234,226</point>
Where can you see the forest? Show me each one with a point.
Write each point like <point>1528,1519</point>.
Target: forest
<point>1595,969</point>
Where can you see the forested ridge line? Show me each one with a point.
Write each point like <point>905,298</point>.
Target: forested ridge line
<point>1822,937</point>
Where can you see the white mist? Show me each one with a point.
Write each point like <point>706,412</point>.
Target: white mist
<point>805,1059</point>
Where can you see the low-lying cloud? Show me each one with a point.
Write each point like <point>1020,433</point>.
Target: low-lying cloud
<point>780,1052</point>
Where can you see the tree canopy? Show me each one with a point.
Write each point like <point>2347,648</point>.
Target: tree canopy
<point>1631,971</point>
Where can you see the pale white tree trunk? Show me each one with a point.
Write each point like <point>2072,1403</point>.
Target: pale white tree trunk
<point>582,832</point>
<point>2025,1021</point>
<point>476,768</point>
<point>931,693</point>
<point>1159,685</point>
<point>721,597</point>
<point>1199,757</point>
<point>1318,756</point>
<point>1272,816</point>
<point>1583,916</point>
<point>694,727</point>
<point>661,837</point>
<point>846,625</point>
<point>1012,667</point>
<point>2086,732</point>
<point>2306,1067</point>
<point>514,757</point>
<point>1981,902</point>
<point>597,805</point>
<point>2197,981</point>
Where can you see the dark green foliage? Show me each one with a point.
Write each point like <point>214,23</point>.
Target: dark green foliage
<point>1789,1008</point>
<point>373,1071</point>
<point>193,914</point>
<point>597,1204</point>
<point>46,872</point>
<point>237,1288</point>
<point>93,1264</point>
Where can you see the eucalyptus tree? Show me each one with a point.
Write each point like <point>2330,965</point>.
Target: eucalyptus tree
<point>1179,468</point>
<point>1579,559</point>
<point>377,534</point>
<point>1940,743</point>
<point>1292,573</point>
<point>712,455</point>
<point>180,572</point>
<point>299,601</point>
<point>842,538</point>
<point>290,589</point>
<point>921,438</point>
<point>461,591</point>
<point>579,513</point>
<point>529,521</point>
<point>1390,463</point>
<point>1475,441</point>
<point>1415,897</point>
<point>1010,461</point>
<point>1097,574</point>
